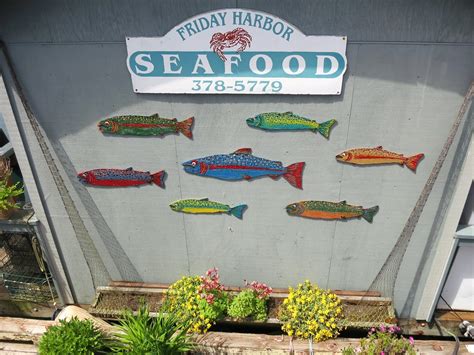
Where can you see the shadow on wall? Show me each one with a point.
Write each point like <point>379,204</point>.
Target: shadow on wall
<point>74,86</point>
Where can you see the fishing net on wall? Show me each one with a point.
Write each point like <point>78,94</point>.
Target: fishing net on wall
<point>98,271</point>
<point>364,312</point>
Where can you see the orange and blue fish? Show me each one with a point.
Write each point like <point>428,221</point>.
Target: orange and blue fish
<point>121,177</point>
<point>242,165</point>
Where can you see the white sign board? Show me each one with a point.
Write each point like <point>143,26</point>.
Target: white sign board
<point>237,51</point>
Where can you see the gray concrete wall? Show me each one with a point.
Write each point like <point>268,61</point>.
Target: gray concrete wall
<point>410,64</point>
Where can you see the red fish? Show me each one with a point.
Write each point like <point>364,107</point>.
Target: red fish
<point>122,177</point>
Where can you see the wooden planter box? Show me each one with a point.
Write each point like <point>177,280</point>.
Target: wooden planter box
<point>361,309</point>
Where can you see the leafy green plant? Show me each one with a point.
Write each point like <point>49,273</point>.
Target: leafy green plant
<point>383,341</point>
<point>311,313</point>
<point>7,192</point>
<point>247,304</point>
<point>140,333</point>
<point>251,302</point>
<point>72,337</point>
<point>200,299</point>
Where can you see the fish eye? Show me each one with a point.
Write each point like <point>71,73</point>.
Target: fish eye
<point>107,123</point>
<point>343,155</point>
<point>193,163</point>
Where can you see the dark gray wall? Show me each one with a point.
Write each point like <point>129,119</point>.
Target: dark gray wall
<point>410,64</point>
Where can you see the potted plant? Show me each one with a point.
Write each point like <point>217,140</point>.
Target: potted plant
<point>7,194</point>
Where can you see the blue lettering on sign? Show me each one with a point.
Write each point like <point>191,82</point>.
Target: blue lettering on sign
<point>243,64</point>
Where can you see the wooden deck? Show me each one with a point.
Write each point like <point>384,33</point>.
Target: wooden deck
<point>19,336</point>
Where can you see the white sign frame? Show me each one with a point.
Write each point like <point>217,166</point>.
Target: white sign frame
<point>252,52</point>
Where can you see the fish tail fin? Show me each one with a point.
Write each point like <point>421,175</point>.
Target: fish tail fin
<point>325,127</point>
<point>294,175</point>
<point>238,211</point>
<point>369,213</point>
<point>159,178</point>
<point>412,162</point>
<point>185,127</point>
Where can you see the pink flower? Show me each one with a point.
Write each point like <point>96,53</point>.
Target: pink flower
<point>382,353</point>
<point>210,298</point>
<point>411,340</point>
<point>261,289</point>
<point>382,328</point>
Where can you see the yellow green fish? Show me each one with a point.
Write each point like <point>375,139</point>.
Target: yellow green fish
<point>207,207</point>
<point>288,121</point>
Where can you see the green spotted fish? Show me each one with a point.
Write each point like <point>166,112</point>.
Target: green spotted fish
<point>330,210</point>
<point>208,207</point>
<point>288,121</point>
<point>153,125</point>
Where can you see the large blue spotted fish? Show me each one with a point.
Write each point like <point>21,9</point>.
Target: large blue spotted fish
<point>242,165</point>
<point>121,177</point>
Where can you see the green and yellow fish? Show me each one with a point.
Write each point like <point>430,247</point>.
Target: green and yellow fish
<point>288,121</point>
<point>208,207</point>
<point>330,210</point>
<point>153,125</point>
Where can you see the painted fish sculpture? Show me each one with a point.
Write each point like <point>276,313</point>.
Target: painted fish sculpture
<point>377,155</point>
<point>288,121</point>
<point>242,165</point>
<point>153,125</point>
<point>330,210</point>
<point>121,177</point>
<point>205,206</point>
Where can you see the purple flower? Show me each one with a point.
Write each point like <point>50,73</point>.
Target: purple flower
<point>382,353</point>
<point>382,328</point>
<point>411,340</point>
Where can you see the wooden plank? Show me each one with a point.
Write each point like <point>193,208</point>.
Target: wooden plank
<point>230,343</point>
<point>24,325</point>
<point>17,348</point>
<point>225,343</point>
<point>237,288</point>
<point>454,315</point>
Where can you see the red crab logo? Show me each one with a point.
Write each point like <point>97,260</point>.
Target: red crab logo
<point>237,37</point>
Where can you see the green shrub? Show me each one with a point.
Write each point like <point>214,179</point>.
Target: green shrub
<point>72,337</point>
<point>164,334</point>
<point>247,304</point>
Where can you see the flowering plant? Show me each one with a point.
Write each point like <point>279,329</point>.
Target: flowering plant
<point>311,313</point>
<point>251,302</point>
<point>199,299</point>
<point>383,341</point>
<point>261,290</point>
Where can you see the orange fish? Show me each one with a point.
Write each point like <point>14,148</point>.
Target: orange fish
<point>330,210</point>
<point>377,155</point>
